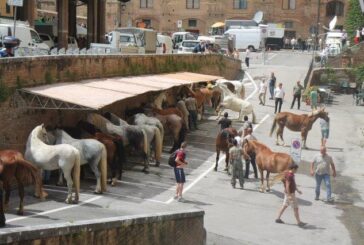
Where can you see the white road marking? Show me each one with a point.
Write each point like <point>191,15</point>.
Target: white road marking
<point>261,121</point>
<point>55,210</point>
<point>274,55</point>
<point>255,86</point>
<point>135,198</point>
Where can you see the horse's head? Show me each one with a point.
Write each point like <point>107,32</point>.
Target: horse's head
<point>248,147</point>
<point>321,113</point>
<point>41,133</point>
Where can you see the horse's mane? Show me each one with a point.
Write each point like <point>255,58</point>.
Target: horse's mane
<point>255,142</point>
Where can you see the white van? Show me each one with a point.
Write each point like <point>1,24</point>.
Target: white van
<point>178,37</point>
<point>28,37</point>
<point>247,38</point>
<point>164,44</point>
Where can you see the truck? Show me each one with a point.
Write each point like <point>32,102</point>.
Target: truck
<point>275,36</point>
<point>247,38</point>
<point>145,38</point>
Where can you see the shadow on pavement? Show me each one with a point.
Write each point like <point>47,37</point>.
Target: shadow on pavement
<point>300,201</point>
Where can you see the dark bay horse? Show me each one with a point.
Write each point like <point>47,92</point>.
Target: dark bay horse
<point>223,143</point>
<point>267,160</point>
<point>297,123</point>
<point>15,166</point>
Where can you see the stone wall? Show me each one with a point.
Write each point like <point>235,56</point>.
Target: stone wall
<point>168,228</point>
<point>16,123</point>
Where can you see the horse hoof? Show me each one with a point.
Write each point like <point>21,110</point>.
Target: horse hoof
<point>68,201</point>
<point>75,202</point>
<point>20,212</point>
<point>215,169</point>
<point>157,164</point>
<point>97,192</point>
<point>59,184</point>
<point>146,171</point>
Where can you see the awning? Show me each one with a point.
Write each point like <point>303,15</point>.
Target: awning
<point>218,24</point>
<point>97,93</point>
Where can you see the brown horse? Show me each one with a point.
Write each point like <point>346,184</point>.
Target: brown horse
<point>267,160</point>
<point>223,143</point>
<point>198,95</point>
<point>297,123</point>
<point>15,166</point>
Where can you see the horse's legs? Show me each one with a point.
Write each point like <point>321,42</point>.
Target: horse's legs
<point>67,175</point>
<point>217,158</point>
<point>280,134</point>
<point>227,157</point>
<point>304,138</point>
<point>60,177</point>
<point>146,162</point>
<point>267,179</point>
<point>21,196</point>
<point>7,189</point>
<point>94,167</point>
<point>262,189</point>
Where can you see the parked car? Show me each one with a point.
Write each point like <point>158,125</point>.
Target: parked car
<point>47,39</point>
<point>179,37</point>
<point>164,44</point>
<point>187,46</point>
<point>72,43</point>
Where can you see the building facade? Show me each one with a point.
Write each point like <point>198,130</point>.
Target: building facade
<point>5,9</point>
<point>298,16</point>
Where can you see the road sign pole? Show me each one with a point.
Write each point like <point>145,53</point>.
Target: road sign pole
<point>15,12</point>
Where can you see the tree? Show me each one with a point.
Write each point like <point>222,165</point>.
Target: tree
<point>354,18</point>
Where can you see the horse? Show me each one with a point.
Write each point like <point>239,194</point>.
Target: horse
<point>175,125</point>
<point>141,118</point>
<point>267,160</point>
<point>235,86</point>
<point>152,132</point>
<point>52,157</point>
<point>232,102</point>
<point>297,123</point>
<point>223,143</point>
<point>91,151</point>
<point>158,107</point>
<point>15,166</point>
<point>132,136</point>
<point>198,95</point>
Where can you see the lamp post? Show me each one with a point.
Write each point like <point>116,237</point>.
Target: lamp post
<point>318,22</point>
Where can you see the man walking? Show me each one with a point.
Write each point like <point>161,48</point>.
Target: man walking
<point>262,92</point>
<point>179,172</point>
<point>290,199</point>
<point>236,163</point>
<point>297,91</point>
<point>251,159</point>
<point>247,57</point>
<point>272,85</point>
<point>279,97</point>
<point>225,122</point>
<point>325,130</point>
<point>320,168</point>
<point>191,105</point>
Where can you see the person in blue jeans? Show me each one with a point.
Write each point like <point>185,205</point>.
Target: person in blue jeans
<point>321,168</point>
<point>272,85</point>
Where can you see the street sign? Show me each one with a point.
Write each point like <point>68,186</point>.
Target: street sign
<point>179,23</point>
<point>296,148</point>
<point>17,3</point>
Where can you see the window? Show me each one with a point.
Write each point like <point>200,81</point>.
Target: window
<point>288,24</point>
<point>193,4</point>
<point>146,4</point>
<point>147,23</point>
<point>192,23</point>
<point>7,8</point>
<point>335,8</point>
<point>240,4</point>
<point>288,4</point>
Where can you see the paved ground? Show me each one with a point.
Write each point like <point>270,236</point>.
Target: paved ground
<point>235,216</point>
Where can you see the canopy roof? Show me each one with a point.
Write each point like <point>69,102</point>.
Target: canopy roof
<point>97,93</point>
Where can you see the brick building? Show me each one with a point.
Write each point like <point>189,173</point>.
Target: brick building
<point>5,9</point>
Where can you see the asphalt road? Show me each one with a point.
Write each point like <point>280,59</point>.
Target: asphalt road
<point>235,216</point>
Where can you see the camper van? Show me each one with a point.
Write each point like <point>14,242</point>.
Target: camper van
<point>179,37</point>
<point>247,38</point>
<point>164,44</point>
<point>145,38</point>
<point>28,37</point>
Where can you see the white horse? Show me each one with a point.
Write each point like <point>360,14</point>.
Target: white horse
<point>152,132</point>
<point>131,135</point>
<point>158,101</point>
<point>52,157</point>
<point>140,119</point>
<point>91,151</point>
<point>232,102</point>
<point>238,85</point>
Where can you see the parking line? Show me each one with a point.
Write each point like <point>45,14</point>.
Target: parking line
<point>55,210</point>
<point>255,86</point>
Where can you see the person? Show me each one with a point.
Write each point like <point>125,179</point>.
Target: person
<point>179,172</point>
<point>344,37</point>
<point>290,199</point>
<point>314,98</point>
<point>262,92</point>
<point>9,43</point>
<point>225,122</point>
<point>199,48</point>
<point>324,56</point>
<point>191,105</point>
<point>320,168</point>
<point>297,91</point>
<point>251,159</point>
<point>272,85</point>
<point>279,97</point>
<point>236,163</point>
<point>357,36</point>
<point>247,124</point>
<point>247,57</point>
<point>2,216</point>
<point>236,54</point>
<point>293,43</point>
<point>325,130</point>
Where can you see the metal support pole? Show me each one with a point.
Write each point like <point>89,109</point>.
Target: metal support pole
<point>318,22</point>
<point>15,12</point>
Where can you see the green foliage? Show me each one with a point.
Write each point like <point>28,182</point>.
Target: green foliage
<point>48,78</point>
<point>4,91</point>
<point>354,18</point>
<point>359,73</point>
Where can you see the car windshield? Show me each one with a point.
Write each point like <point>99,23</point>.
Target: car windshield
<point>44,37</point>
<point>127,39</point>
<point>35,37</point>
<point>189,44</point>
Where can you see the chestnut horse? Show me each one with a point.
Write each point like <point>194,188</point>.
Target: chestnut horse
<point>15,166</point>
<point>223,143</point>
<point>297,123</point>
<point>267,160</point>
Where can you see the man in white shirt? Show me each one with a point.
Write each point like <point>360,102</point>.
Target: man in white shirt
<point>262,92</point>
<point>247,57</point>
<point>279,97</point>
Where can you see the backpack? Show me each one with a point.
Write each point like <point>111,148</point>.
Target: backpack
<point>172,159</point>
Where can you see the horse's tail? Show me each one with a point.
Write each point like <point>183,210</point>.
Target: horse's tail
<point>76,172</point>
<point>274,125</point>
<point>120,150</point>
<point>35,175</point>
<point>278,178</point>
<point>161,130</point>
<point>103,169</point>
<point>158,144</point>
<point>145,142</point>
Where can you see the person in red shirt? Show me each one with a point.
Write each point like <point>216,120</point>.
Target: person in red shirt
<point>179,172</point>
<point>290,199</point>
